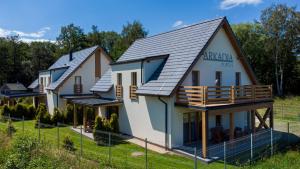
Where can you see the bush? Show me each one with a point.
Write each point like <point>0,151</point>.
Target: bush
<point>57,117</point>
<point>5,112</point>
<point>43,115</point>
<point>31,111</point>
<point>114,124</point>
<point>10,128</point>
<point>99,126</point>
<point>69,114</point>
<point>20,111</point>
<point>21,154</point>
<point>68,144</point>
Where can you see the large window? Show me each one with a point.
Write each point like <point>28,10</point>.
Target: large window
<point>218,120</point>
<point>133,78</point>
<point>218,81</point>
<point>119,79</point>
<point>237,78</point>
<point>195,78</point>
<point>78,80</point>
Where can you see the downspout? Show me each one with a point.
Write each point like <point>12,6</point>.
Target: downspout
<point>166,121</point>
<point>142,71</point>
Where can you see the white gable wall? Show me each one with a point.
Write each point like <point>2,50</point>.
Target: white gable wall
<point>88,79</point>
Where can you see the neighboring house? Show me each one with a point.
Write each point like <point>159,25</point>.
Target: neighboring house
<point>186,86</point>
<point>71,76</point>
<point>9,92</point>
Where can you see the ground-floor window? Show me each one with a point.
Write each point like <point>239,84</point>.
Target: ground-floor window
<point>191,127</point>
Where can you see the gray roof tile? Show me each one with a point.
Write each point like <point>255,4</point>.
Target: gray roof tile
<point>104,84</point>
<point>34,84</point>
<point>78,58</point>
<point>182,45</point>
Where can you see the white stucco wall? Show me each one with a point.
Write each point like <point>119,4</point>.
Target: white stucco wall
<point>88,79</point>
<point>207,68</point>
<point>142,118</point>
<point>207,71</point>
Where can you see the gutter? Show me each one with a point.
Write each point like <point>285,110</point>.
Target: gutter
<point>166,121</point>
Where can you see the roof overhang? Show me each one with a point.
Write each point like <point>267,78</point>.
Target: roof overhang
<point>94,102</point>
<point>20,95</point>
<point>77,96</point>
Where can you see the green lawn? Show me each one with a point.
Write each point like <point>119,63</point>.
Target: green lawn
<point>121,151</point>
<point>287,108</point>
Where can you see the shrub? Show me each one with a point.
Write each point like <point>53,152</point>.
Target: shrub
<point>68,144</point>
<point>5,112</point>
<point>69,114</point>
<point>99,126</point>
<point>57,116</point>
<point>10,128</point>
<point>31,111</point>
<point>114,124</point>
<point>42,115</point>
<point>20,111</point>
<point>21,154</point>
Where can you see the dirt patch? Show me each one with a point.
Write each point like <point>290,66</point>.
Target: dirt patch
<point>137,154</point>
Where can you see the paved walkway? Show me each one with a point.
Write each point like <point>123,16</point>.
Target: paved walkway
<point>129,139</point>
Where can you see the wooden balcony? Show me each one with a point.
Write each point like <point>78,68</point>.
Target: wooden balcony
<point>119,91</point>
<point>214,95</point>
<point>77,88</point>
<point>132,94</point>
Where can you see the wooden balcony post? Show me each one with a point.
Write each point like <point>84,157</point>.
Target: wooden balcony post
<point>204,95</point>
<point>253,92</point>
<point>231,130</point>
<point>204,133</point>
<point>232,93</point>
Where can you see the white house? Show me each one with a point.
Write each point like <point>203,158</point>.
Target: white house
<point>191,85</point>
<point>71,76</point>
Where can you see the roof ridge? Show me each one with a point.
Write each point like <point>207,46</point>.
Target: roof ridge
<point>80,50</point>
<point>202,22</point>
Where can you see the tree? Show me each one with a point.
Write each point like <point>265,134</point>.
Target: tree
<point>282,26</point>
<point>71,38</point>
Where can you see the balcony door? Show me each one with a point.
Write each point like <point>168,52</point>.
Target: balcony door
<point>218,83</point>
<point>192,130</point>
<point>195,78</point>
<point>78,85</point>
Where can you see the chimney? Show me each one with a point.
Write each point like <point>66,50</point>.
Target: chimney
<point>70,56</point>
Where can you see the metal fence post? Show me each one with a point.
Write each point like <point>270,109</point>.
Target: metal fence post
<point>146,153</point>
<point>23,124</point>
<point>224,155</point>
<point>195,157</point>
<point>288,131</point>
<point>251,147</point>
<point>58,135</point>
<point>39,130</point>
<point>271,141</point>
<point>109,147</point>
<point>81,141</point>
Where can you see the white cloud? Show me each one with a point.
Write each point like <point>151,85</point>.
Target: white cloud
<point>179,24</point>
<point>228,4</point>
<point>27,37</point>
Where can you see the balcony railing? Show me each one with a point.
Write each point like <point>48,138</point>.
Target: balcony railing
<point>77,88</point>
<point>119,91</point>
<point>132,94</point>
<point>211,95</point>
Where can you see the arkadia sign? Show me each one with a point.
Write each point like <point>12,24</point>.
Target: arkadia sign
<point>226,59</point>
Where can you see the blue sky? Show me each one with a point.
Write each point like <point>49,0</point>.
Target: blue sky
<point>41,20</point>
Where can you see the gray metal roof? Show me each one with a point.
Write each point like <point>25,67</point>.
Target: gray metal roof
<point>14,86</point>
<point>182,45</point>
<point>34,84</point>
<point>104,84</point>
<point>78,58</point>
<point>95,101</point>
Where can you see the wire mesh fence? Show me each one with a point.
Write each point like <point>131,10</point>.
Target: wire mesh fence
<point>114,150</point>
